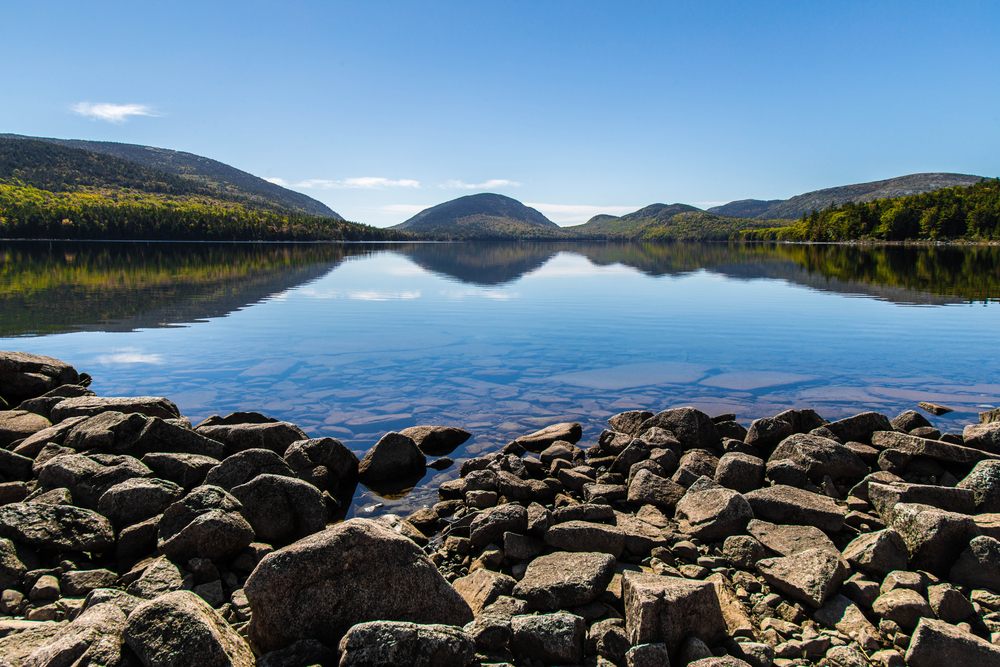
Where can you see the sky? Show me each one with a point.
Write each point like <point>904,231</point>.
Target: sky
<point>381,109</point>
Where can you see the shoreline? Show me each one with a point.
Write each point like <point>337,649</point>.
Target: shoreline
<point>791,540</point>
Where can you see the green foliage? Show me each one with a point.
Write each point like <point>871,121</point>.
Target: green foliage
<point>971,213</point>
<point>115,213</point>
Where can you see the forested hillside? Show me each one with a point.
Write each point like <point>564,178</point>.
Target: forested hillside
<point>970,213</point>
<point>50,191</point>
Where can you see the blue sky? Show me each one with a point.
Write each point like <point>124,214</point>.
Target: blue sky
<point>380,109</point>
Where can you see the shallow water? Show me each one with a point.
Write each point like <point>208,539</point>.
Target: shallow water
<point>352,341</point>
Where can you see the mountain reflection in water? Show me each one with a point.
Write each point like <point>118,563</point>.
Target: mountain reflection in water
<point>51,287</point>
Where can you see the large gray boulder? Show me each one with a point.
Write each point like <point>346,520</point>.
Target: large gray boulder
<point>809,576</point>
<point>819,456</point>
<point>935,643</point>
<point>984,481</point>
<point>553,639</point>
<point>244,466</point>
<point>565,580</point>
<point>89,406</point>
<point>88,477</point>
<point>273,435</point>
<point>979,565</point>
<point>180,629</point>
<point>491,524</point>
<point>24,376</point>
<point>789,505</point>
<point>934,538</point>
<point>325,463</point>
<point>281,509</point>
<point>983,436</point>
<point>860,427</point>
<point>669,609</point>
<point>137,499</point>
<point>12,570</point>
<point>206,523</point>
<point>350,573</point>
<point>187,470</point>
<point>712,512</point>
<point>95,637</point>
<point>392,643</point>
<point>692,427</point>
<point>394,456</point>
<point>877,553</point>
<point>56,527</point>
<point>436,440</point>
<point>570,432</point>
<point>17,425</point>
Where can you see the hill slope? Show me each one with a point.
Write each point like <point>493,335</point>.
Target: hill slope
<point>220,177</point>
<point>804,204</point>
<point>51,191</point>
<point>649,215</point>
<point>483,215</point>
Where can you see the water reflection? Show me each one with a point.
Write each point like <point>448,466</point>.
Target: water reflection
<point>64,286</point>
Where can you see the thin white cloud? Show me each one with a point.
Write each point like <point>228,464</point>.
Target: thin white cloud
<point>492,184</point>
<point>277,181</point>
<point>709,204</point>
<point>364,183</point>
<point>113,113</point>
<point>578,213</point>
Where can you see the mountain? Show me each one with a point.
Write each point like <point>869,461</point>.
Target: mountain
<point>51,191</point>
<point>616,225</point>
<point>221,178</point>
<point>804,204</point>
<point>481,216</point>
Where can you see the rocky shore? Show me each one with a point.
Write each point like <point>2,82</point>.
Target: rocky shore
<point>129,536</point>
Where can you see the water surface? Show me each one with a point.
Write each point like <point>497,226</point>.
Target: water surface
<point>352,341</point>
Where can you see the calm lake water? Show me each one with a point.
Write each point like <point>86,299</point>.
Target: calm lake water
<point>352,341</point>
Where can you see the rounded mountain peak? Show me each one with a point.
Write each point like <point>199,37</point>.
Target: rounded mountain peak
<point>486,213</point>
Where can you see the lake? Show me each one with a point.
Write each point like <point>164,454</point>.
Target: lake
<point>353,341</point>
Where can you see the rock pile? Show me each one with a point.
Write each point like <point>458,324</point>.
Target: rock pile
<point>130,537</point>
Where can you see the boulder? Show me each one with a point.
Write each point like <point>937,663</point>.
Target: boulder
<point>903,606</point>
<point>669,609</point>
<point>24,376</point>
<point>570,432</point>
<point>979,564</point>
<point>983,436</point>
<point>56,527</point>
<point>302,652</point>
<point>164,436</point>
<point>187,470</point>
<point>12,570</point>
<point>839,613</point>
<point>158,578</point>
<point>326,463</point>
<point>246,465</point>
<point>629,422</point>
<point>743,551</point>
<point>437,440</point>
<point>273,435</point>
<point>693,428</point>
<point>787,540</point>
<point>694,464</point>
<point>938,450</point>
<point>789,505</point>
<point>564,580</point>
<point>394,456</point>
<point>353,572</point>
<point>906,421</point>
<point>711,512</point>
<point>935,643</point>
<point>767,432</point>
<point>34,443</point>
<point>44,403</point>
<point>551,638</point>
<point>137,499</point>
<point>180,629</point>
<point>17,425</point>
<point>392,643</point>
<point>14,467</point>
<point>490,525</point>
<point>802,421</point>
<point>949,604</point>
<point>984,482</point>
<point>809,576</point>
<point>933,537</point>
<point>89,406</point>
<point>482,587</point>
<point>206,523</point>
<point>583,536</point>
<point>281,509</point>
<point>647,488</point>
<point>95,637</point>
<point>820,457</point>
<point>884,497</point>
<point>108,431</point>
<point>740,472</point>
<point>78,583</point>
<point>877,553</point>
<point>860,427</point>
